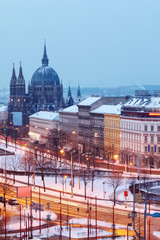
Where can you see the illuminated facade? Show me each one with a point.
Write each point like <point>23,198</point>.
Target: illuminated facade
<point>41,123</point>
<point>140,131</point>
<point>112,134</point>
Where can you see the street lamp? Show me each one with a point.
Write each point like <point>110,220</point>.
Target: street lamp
<point>71,174</point>
<point>61,154</point>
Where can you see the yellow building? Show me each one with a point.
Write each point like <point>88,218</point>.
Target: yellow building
<point>112,133</point>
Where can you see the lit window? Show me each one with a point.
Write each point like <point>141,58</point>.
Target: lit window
<point>18,100</point>
<point>12,100</point>
<point>24,100</point>
<point>36,127</point>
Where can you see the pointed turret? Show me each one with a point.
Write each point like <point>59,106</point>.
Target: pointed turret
<point>45,58</point>
<point>13,78</point>
<point>69,99</point>
<point>20,80</point>
<point>78,92</point>
<point>69,92</point>
<point>79,97</point>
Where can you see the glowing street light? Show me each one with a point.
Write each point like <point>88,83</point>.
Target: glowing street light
<point>61,153</point>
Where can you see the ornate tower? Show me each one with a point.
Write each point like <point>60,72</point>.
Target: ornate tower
<point>79,97</point>
<point>69,99</point>
<point>17,112</point>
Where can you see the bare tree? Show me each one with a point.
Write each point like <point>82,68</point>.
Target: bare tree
<point>40,163</point>
<point>56,140</point>
<point>5,188</point>
<point>115,180</point>
<point>13,164</point>
<point>26,163</point>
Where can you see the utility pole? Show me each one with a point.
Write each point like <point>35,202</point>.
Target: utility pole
<point>71,174</point>
<point>133,213</point>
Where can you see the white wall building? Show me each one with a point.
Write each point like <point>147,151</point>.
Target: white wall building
<point>140,131</point>
<point>40,123</point>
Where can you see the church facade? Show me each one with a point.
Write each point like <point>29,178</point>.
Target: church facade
<point>45,93</point>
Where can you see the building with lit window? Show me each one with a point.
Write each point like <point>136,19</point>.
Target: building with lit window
<point>41,123</point>
<point>140,129</point>
<point>45,93</point>
<point>112,132</point>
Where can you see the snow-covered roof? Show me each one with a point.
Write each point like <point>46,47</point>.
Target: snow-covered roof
<point>108,109</point>
<point>4,109</point>
<point>147,102</point>
<point>46,115</point>
<point>89,101</point>
<point>72,109</point>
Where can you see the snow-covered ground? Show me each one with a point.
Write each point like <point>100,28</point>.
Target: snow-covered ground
<point>101,188</point>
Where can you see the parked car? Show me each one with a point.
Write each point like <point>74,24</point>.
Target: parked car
<point>2,199</point>
<point>13,201</point>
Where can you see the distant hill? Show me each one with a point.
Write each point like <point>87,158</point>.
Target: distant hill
<point>118,91</point>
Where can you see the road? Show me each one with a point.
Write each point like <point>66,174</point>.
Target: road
<point>70,208</point>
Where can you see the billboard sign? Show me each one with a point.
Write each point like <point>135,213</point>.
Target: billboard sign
<point>23,192</point>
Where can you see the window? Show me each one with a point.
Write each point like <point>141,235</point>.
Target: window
<point>159,149</point>
<point>152,149</point>
<point>152,128</point>
<point>158,128</point>
<point>145,138</point>
<point>152,138</point>
<point>158,139</point>
<point>145,148</point>
<point>145,128</point>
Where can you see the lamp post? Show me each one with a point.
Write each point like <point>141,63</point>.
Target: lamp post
<point>71,174</point>
<point>65,177</point>
<point>129,224</point>
<point>61,154</point>
<point>125,186</point>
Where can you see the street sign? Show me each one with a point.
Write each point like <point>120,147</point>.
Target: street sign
<point>138,197</point>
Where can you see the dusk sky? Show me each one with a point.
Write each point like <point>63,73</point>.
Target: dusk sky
<point>96,43</point>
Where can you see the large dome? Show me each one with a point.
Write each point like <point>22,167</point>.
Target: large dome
<point>45,76</point>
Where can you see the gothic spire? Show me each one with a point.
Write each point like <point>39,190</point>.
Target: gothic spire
<point>78,92</point>
<point>20,77</point>
<point>69,92</point>
<point>45,58</point>
<point>13,78</point>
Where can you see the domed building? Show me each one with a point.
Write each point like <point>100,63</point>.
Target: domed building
<point>45,93</point>
<point>45,90</point>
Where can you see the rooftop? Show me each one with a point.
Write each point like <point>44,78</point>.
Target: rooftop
<point>46,115</point>
<point>108,109</point>
<point>89,101</point>
<point>72,109</point>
